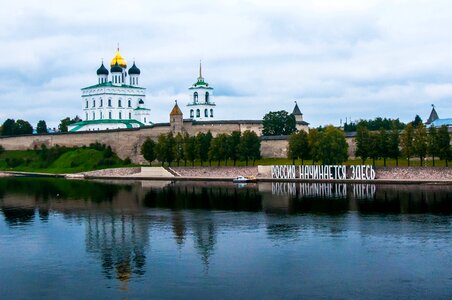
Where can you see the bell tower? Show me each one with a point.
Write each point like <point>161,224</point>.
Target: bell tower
<point>201,105</point>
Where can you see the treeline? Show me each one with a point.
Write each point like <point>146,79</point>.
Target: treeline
<point>21,127</point>
<point>327,146</point>
<point>203,147</point>
<point>414,141</point>
<point>374,125</point>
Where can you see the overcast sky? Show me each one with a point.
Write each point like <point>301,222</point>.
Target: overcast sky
<point>338,59</point>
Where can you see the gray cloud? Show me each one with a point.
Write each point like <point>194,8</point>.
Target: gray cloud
<point>338,59</point>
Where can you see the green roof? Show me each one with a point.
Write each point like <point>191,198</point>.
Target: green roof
<point>141,108</point>
<point>109,84</point>
<point>128,123</point>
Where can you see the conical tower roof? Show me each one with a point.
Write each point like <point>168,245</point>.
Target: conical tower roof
<point>176,110</point>
<point>433,116</point>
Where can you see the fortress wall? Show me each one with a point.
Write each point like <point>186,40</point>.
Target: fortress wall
<point>127,142</point>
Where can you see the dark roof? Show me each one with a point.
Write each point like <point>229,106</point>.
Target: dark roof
<point>116,68</point>
<point>141,101</point>
<point>102,70</point>
<point>134,70</point>
<point>296,110</point>
<point>433,116</point>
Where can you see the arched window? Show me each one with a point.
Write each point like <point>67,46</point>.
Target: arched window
<point>86,116</point>
<point>207,97</point>
<point>86,104</point>
<point>94,115</point>
<point>130,116</point>
<point>129,103</point>
<point>144,120</point>
<point>120,115</point>
<point>206,114</point>
<point>109,102</point>
<point>192,113</point>
<point>101,115</point>
<point>119,103</point>
<point>109,114</point>
<point>94,103</point>
<point>198,113</point>
<point>101,102</point>
<point>211,113</point>
<point>195,97</point>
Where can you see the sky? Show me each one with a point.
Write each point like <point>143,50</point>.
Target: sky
<point>339,60</point>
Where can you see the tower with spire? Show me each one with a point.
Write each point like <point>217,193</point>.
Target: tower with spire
<point>115,102</point>
<point>201,105</point>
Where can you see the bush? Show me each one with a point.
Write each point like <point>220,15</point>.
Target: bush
<point>108,152</point>
<point>127,161</point>
<point>14,162</point>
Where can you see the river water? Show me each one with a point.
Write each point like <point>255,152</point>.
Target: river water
<point>63,239</point>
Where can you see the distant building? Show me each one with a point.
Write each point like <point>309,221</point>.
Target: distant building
<point>114,102</point>
<point>434,120</point>
<point>201,105</point>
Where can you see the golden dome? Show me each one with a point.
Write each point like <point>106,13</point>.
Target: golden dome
<point>119,59</point>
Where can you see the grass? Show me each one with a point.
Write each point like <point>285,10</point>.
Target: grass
<point>71,161</point>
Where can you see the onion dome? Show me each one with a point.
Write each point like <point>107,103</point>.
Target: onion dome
<point>102,70</point>
<point>116,69</point>
<point>134,70</point>
<point>118,59</point>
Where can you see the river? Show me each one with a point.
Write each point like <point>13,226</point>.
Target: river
<point>78,239</point>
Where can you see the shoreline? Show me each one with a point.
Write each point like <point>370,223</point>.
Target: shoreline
<point>388,175</point>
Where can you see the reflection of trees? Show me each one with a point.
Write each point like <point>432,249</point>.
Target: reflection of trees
<point>18,215</point>
<point>120,240</point>
<point>179,229</point>
<point>205,238</point>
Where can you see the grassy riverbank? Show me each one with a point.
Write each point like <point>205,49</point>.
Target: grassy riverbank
<point>60,161</point>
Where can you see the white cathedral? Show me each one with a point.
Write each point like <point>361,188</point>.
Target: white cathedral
<point>115,102</point>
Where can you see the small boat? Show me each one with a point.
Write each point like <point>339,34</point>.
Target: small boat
<point>244,179</point>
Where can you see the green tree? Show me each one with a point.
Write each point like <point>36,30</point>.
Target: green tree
<point>63,126</point>
<point>313,137</point>
<point>179,148</point>
<point>217,150</point>
<point>393,144</point>
<point>190,149</point>
<point>8,127</point>
<point>148,150</point>
<point>332,148</point>
<point>278,123</point>
<point>41,127</point>
<point>420,142</point>
<point>250,146</point>
<point>233,146</point>
<point>406,142</point>
<point>203,144</point>
<point>432,143</point>
<point>298,146</point>
<point>165,148</point>
<point>383,144</point>
<point>444,149</point>
<point>363,143</point>
<point>374,147</point>
<point>417,121</point>
<point>22,127</point>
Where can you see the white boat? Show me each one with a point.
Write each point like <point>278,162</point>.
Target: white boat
<point>244,179</point>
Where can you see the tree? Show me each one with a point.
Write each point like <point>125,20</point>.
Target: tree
<point>444,149</point>
<point>331,146</point>
<point>189,149</point>
<point>383,145</point>
<point>217,150</point>
<point>432,143</point>
<point>417,121</point>
<point>203,145</point>
<point>233,146</point>
<point>23,127</point>
<point>393,144</point>
<point>63,126</point>
<point>313,144</point>
<point>278,123</point>
<point>8,127</point>
<point>298,146</point>
<point>179,148</point>
<point>148,150</point>
<point>406,142</point>
<point>362,139</point>
<point>250,146</point>
<point>374,149</point>
<point>420,142</point>
<point>165,148</point>
<point>41,127</point>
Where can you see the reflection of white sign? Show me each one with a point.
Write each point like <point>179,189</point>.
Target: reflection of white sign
<point>323,190</point>
<point>326,172</point>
